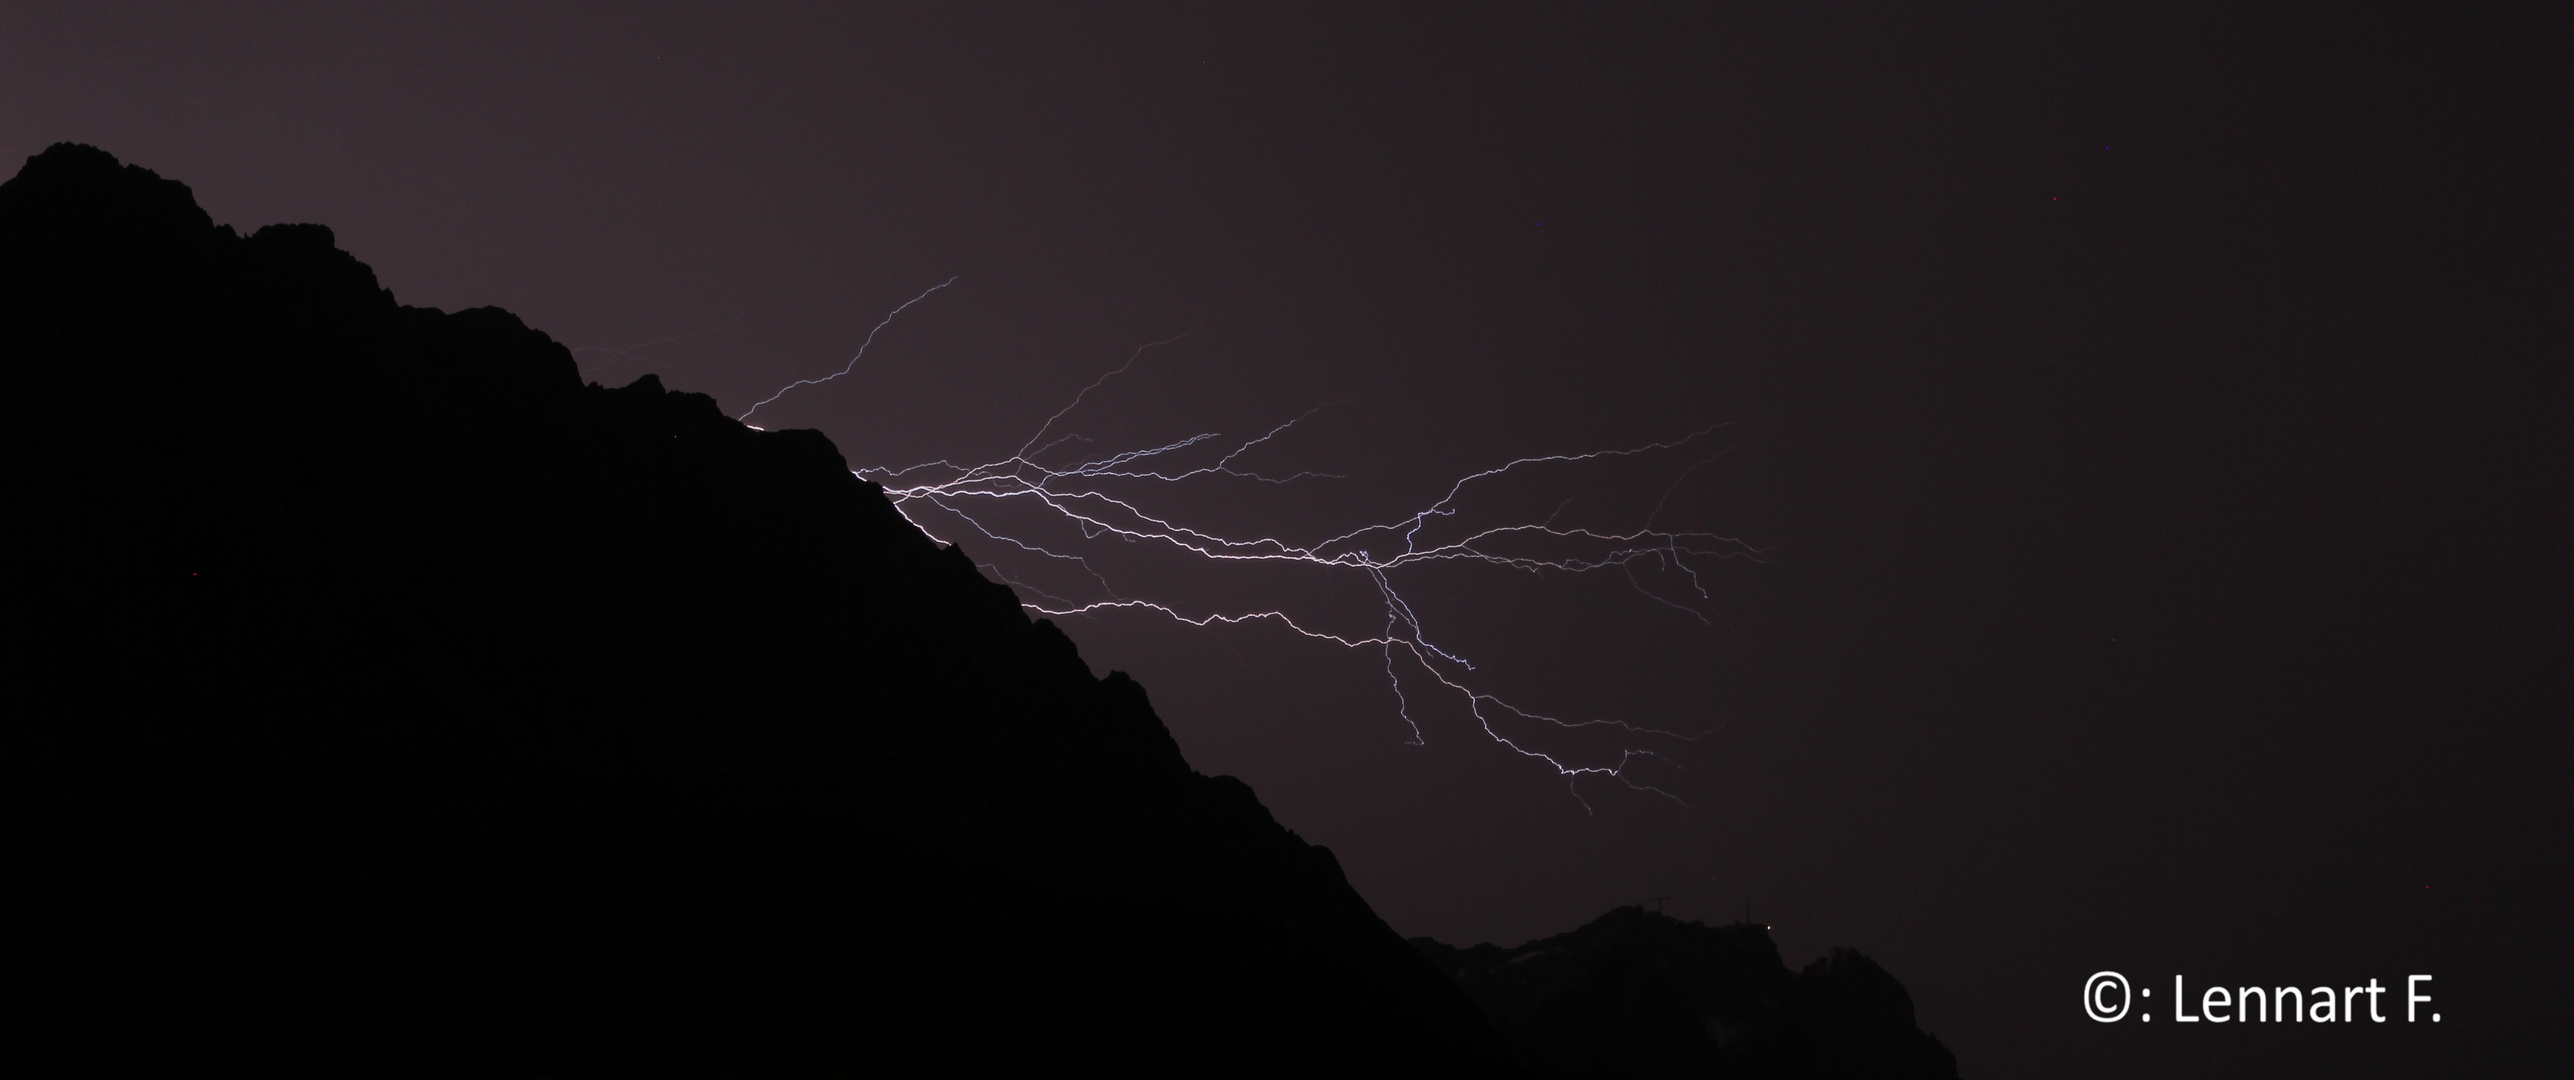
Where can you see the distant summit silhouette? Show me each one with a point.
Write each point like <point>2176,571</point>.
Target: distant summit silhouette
<point>393,702</point>
<point>1639,994</point>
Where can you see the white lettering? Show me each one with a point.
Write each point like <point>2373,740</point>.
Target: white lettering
<point>2249,1001</point>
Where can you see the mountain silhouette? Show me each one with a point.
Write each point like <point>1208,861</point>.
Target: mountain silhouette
<point>392,702</point>
<point>1639,994</point>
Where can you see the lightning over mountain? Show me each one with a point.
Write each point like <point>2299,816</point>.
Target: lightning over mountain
<point>1049,501</point>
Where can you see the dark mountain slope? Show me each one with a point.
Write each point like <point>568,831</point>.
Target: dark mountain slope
<point>1636,995</point>
<point>392,702</point>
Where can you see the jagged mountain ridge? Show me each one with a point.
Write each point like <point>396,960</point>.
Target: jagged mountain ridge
<point>393,702</point>
<point>398,702</point>
<point>1639,994</point>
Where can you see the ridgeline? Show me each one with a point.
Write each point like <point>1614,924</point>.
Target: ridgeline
<point>393,702</point>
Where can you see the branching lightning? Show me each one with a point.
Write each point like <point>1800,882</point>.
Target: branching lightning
<point>1079,493</point>
<point>861,354</point>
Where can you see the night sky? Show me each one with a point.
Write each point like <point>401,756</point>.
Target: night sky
<point>2148,421</point>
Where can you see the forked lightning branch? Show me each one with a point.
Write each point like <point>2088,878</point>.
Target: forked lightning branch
<point>1079,491</point>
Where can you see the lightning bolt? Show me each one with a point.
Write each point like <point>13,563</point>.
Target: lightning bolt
<point>853,360</point>
<point>1078,493</point>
